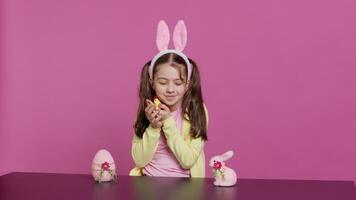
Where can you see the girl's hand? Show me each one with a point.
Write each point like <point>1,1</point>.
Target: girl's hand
<point>153,115</point>
<point>164,111</point>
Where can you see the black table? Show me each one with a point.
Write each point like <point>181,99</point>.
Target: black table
<point>39,186</point>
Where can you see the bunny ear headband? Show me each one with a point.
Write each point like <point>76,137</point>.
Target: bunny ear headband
<point>179,40</point>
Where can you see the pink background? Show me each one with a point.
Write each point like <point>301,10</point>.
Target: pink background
<point>278,78</point>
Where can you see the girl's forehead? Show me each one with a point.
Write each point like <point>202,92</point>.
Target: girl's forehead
<point>166,71</point>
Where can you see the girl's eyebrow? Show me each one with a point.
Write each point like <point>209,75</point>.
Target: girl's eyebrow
<point>167,79</point>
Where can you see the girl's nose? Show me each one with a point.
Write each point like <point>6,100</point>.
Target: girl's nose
<point>170,88</point>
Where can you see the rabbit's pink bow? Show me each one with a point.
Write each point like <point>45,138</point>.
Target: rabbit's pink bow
<point>179,41</point>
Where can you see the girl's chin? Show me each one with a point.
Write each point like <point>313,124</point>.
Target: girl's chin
<point>170,102</point>
<point>169,105</point>
<point>172,106</point>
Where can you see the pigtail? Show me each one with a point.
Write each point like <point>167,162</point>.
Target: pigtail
<point>194,104</point>
<point>145,92</point>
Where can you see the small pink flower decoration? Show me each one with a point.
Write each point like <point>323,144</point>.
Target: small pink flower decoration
<point>217,165</point>
<point>105,166</point>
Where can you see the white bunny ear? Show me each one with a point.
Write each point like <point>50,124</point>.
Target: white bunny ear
<point>180,36</point>
<point>162,39</point>
<point>227,155</point>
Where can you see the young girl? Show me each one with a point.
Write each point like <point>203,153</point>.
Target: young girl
<point>169,138</point>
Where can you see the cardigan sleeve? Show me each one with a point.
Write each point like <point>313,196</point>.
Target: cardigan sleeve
<point>187,153</point>
<point>143,149</point>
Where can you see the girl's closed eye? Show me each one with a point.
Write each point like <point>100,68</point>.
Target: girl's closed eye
<point>162,81</point>
<point>179,82</point>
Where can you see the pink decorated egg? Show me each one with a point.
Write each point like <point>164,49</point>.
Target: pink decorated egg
<point>103,166</point>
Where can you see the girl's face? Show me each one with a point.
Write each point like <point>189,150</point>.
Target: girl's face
<point>169,86</point>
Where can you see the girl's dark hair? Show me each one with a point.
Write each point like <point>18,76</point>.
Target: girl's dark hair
<point>192,104</point>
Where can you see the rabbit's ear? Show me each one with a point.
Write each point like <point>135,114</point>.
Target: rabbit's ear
<point>227,155</point>
<point>162,39</point>
<point>180,36</point>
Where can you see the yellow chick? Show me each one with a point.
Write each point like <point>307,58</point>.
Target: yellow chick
<point>157,102</point>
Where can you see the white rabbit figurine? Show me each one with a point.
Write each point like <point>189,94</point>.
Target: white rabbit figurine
<point>223,175</point>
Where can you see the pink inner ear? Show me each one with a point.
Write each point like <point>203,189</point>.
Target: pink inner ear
<point>162,39</point>
<point>180,36</point>
<point>226,156</point>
